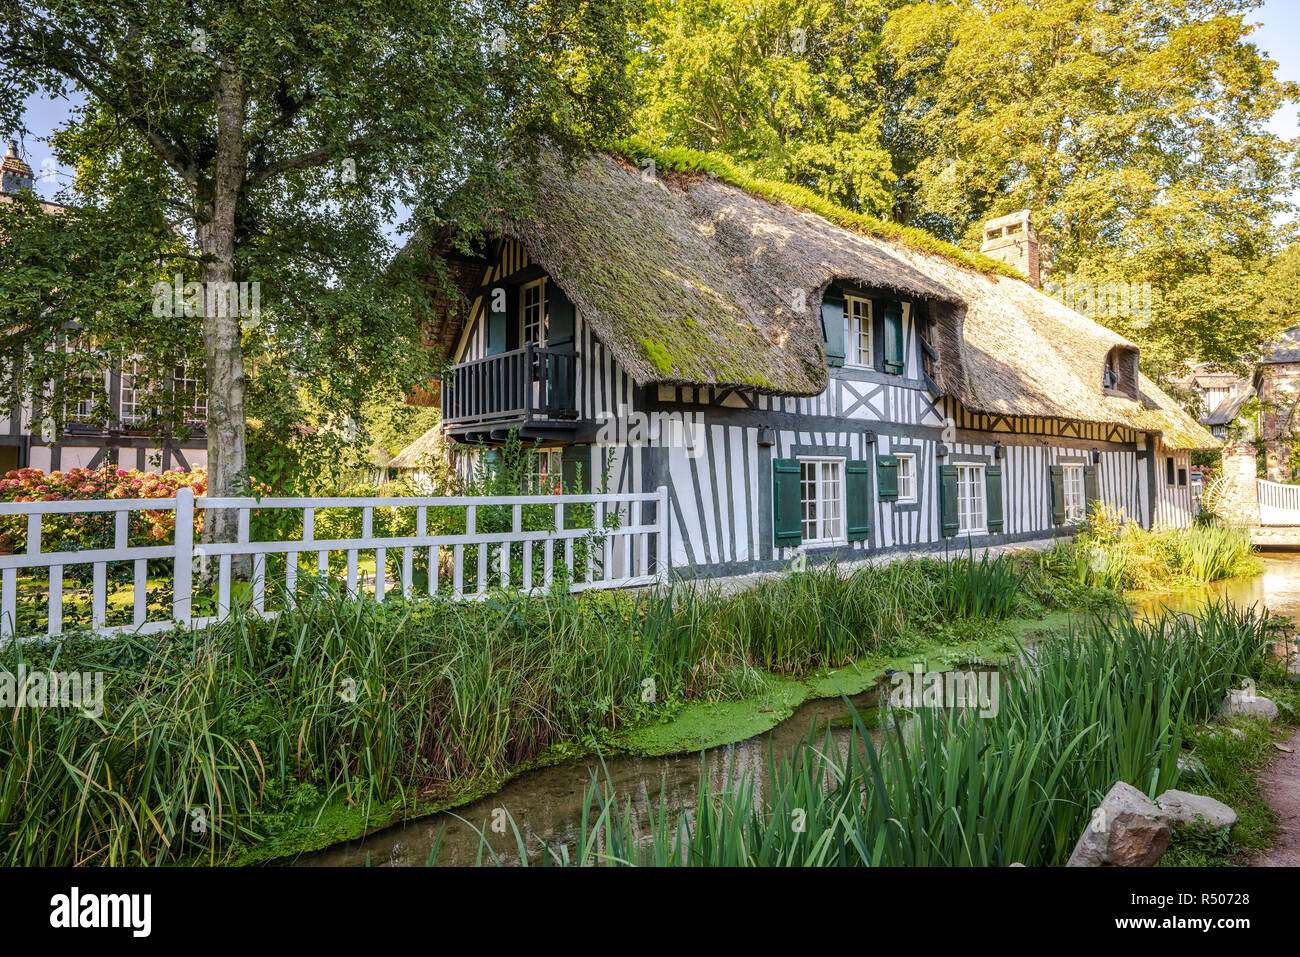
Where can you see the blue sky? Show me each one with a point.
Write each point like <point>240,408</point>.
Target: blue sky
<point>1278,35</point>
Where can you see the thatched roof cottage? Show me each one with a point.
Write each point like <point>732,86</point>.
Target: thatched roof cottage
<point>797,376</point>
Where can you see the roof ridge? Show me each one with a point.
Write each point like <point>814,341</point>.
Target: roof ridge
<point>684,160</point>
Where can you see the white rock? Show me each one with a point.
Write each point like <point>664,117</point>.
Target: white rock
<point>1240,701</point>
<point>1196,810</point>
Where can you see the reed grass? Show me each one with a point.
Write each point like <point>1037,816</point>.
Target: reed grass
<point>1107,703</point>
<point>1111,553</point>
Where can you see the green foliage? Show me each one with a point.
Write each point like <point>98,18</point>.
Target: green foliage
<point>251,720</point>
<point>790,89</point>
<point>276,146</point>
<point>956,788</point>
<point>1135,132</point>
<point>1111,553</point>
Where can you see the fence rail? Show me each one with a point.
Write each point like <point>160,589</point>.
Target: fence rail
<point>587,541</point>
<point>1278,504</point>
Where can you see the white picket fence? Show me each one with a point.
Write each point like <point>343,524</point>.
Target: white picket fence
<point>1278,504</point>
<point>619,548</point>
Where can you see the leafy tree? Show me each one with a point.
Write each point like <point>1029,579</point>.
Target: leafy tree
<point>1135,132</point>
<point>274,143</point>
<point>788,87</point>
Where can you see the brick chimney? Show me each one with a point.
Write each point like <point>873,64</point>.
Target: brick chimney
<point>15,175</point>
<point>1012,239</point>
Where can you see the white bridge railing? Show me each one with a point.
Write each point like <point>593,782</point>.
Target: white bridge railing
<point>1278,504</point>
<point>613,544</point>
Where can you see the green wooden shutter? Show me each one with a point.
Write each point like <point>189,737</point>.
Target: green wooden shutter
<point>787,515</point>
<point>887,477</point>
<point>833,330</point>
<point>1058,494</point>
<point>1090,492</point>
<point>993,496</point>
<point>559,317</point>
<point>857,489</point>
<point>575,466</point>
<point>893,329</point>
<point>496,322</point>
<point>948,500</point>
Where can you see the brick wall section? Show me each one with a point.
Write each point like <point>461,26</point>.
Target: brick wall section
<point>1239,498</point>
<point>1279,387</point>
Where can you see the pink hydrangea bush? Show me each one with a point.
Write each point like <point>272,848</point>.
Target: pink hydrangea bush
<point>66,532</point>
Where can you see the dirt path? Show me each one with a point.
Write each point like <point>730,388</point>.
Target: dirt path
<point>1281,783</point>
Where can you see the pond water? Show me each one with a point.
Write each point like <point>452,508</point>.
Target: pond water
<point>1277,588</point>
<point>547,804</point>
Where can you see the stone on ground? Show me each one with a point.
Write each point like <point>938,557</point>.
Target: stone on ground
<point>1240,701</point>
<point>1127,829</point>
<point>1196,810</point>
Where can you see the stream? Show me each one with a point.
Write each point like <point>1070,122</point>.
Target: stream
<point>546,804</point>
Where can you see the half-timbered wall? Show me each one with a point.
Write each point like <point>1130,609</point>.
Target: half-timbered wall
<point>719,472</point>
<point>1173,502</point>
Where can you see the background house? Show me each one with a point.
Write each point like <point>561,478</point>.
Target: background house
<point>1223,398</point>
<point>107,421</point>
<point>1277,383</point>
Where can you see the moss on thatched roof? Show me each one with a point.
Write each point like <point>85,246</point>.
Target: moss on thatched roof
<point>699,274</point>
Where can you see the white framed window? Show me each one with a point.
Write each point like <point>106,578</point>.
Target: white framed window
<point>906,477</point>
<point>187,382</point>
<point>532,312</point>
<point>85,389</point>
<point>857,331</point>
<point>135,385</point>
<point>1076,502</point>
<point>971,511</point>
<point>821,494</point>
<point>547,474</point>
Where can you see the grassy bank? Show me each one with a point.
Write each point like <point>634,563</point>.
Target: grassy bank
<point>1224,766</point>
<point>1113,701</point>
<point>1108,553</point>
<point>261,737</point>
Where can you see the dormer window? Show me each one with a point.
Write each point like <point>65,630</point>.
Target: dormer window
<point>1110,375</point>
<point>1119,373</point>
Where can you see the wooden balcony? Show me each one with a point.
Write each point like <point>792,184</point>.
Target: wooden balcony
<point>531,390</point>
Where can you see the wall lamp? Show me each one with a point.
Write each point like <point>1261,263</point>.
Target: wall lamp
<point>767,436</point>
<point>941,451</point>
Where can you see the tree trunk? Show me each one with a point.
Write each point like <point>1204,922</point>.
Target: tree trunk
<point>223,353</point>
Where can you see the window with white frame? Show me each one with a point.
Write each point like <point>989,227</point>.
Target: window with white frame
<point>857,331</point>
<point>821,484</point>
<point>135,386</point>
<point>547,474</point>
<point>191,399</point>
<point>971,510</point>
<point>906,477</point>
<point>1076,502</point>
<point>532,308</point>
<point>85,384</point>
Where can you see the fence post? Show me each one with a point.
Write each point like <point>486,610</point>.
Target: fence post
<point>183,567</point>
<point>661,534</point>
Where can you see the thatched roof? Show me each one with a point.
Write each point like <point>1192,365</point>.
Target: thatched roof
<point>421,452</point>
<point>691,280</point>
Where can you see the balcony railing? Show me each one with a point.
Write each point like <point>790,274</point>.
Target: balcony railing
<point>527,385</point>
